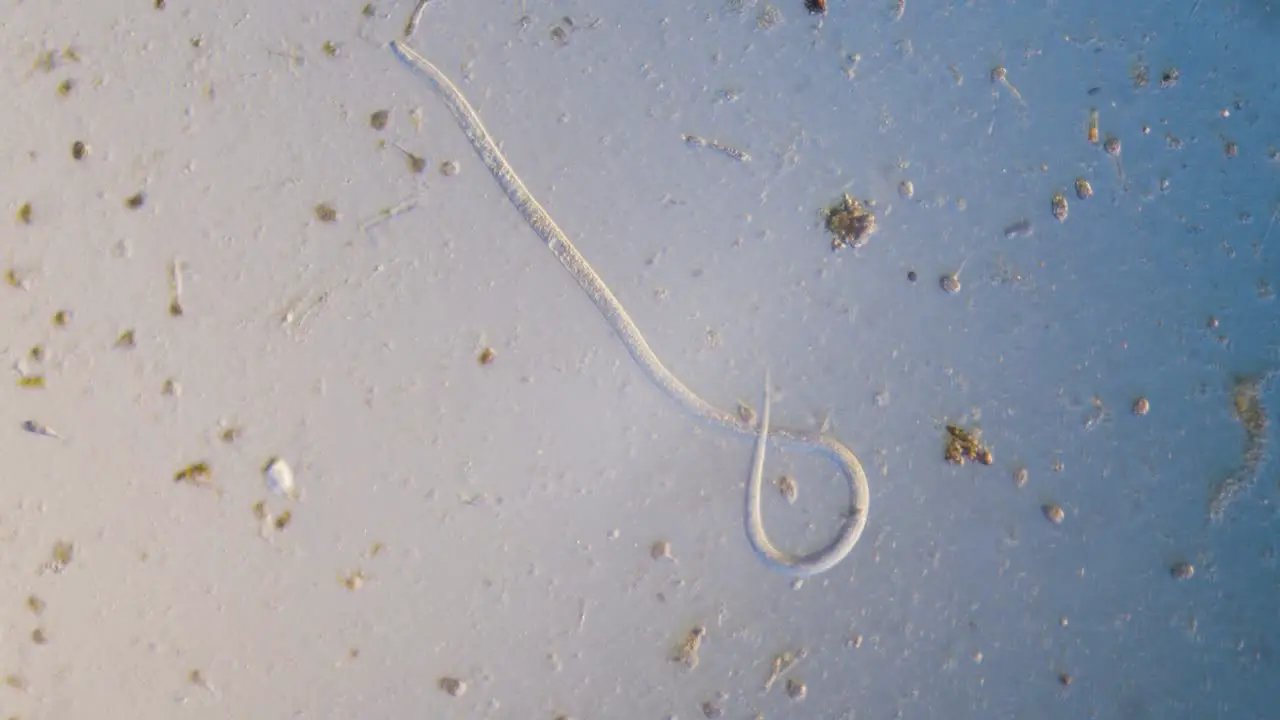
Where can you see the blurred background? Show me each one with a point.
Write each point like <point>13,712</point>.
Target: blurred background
<point>304,420</point>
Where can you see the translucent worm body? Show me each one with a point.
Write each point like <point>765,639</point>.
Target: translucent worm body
<point>855,517</point>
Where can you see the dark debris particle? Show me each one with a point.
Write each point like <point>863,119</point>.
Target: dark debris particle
<point>850,222</point>
<point>452,686</point>
<point>966,444</point>
<point>326,213</point>
<point>817,7</point>
<point>135,201</point>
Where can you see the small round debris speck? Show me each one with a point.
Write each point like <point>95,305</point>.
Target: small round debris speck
<point>378,120</point>
<point>1020,477</point>
<point>79,150</point>
<point>906,189</point>
<point>912,276</point>
<point>1141,406</point>
<point>796,690</point>
<point>449,168</point>
<point>1182,571</point>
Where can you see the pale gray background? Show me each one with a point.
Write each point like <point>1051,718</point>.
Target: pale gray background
<point>517,502</point>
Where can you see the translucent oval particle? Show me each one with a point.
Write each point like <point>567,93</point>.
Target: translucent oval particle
<point>1053,513</point>
<point>279,477</point>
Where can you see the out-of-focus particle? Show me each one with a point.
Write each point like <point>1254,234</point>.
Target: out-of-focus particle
<point>325,213</point>
<point>660,550</point>
<point>1053,513</point>
<point>198,473</point>
<point>36,428</point>
<point>452,686</point>
<point>1058,206</point>
<point>353,580</point>
<point>279,478</point>
<point>61,556</point>
<point>787,488</point>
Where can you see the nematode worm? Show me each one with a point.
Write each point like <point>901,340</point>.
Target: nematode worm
<point>855,518</point>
